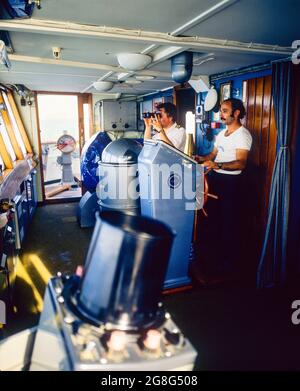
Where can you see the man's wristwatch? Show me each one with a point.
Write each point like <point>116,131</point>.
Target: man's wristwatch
<point>219,165</point>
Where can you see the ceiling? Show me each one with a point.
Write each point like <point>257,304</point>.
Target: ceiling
<point>89,57</point>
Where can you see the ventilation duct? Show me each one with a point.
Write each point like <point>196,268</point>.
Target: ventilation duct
<point>182,67</point>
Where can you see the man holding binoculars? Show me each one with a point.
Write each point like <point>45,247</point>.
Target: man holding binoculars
<point>165,126</point>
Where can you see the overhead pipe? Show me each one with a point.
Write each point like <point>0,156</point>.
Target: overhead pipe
<point>190,42</point>
<point>238,72</point>
<point>78,64</point>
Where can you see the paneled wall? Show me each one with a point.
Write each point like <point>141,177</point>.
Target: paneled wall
<point>261,123</point>
<point>294,216</point>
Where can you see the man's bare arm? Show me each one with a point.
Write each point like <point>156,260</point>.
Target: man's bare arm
<point>147,133</point>
<point>211,156</point>
<point>238,164</point>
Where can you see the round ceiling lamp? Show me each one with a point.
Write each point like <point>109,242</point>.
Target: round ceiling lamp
<point>133,81</point>
<point>144,77</point>
<point>103,86</point>
<point>133,61</point>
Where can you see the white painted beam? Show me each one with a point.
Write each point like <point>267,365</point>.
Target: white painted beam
<point>77,64</point>
<point>165,53</point>
<point>104,32</point>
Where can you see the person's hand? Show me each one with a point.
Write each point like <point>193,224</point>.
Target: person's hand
<point>156,123</point>
<point>148,122</point>
<point>209,165</point>
<point>199,159</point>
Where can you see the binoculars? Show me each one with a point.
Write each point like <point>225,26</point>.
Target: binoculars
<point>151,115</point>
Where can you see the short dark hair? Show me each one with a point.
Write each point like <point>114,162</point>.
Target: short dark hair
<point>170,109</point>
<point>236,104</point>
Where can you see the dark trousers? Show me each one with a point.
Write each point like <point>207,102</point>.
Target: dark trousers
<point>223,228</point>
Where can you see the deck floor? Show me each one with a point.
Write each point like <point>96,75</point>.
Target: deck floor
<point>232,327</point>
<point>72,193</point>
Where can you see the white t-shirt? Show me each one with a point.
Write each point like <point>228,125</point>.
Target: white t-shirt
<point>227,146</point>
<point>176,135</point>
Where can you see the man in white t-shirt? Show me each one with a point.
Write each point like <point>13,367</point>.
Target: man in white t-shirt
<point>232,145</point>
<point>226,162</point>
<point>165,127</point>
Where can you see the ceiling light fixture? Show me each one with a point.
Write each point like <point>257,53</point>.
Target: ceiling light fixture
<point>133,81</point>
<point>133,61</point>
<point>103,86</point>
<point>144,77</point>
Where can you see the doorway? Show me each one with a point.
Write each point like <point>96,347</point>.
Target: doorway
<point>64,126</point>
<point>185,100</point>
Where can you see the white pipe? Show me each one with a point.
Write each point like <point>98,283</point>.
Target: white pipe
<point>77,64</point>
<point>108,74</point>
<point>195,42</point>
<point>203,16</point>
<point>50,74</point>
<point>104,77</point>
<point>151,93</point>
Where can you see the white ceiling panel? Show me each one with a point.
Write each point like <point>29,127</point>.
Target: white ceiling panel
<point>274,22</point>
<point>152,15</point>
<point>73,48</point>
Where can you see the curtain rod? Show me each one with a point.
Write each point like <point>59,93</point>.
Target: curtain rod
<point>286,59</point>
<point>240,71</point>
<point>254,68</point>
